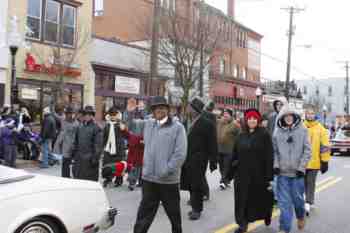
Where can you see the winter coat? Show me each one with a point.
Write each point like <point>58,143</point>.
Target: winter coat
<point>64,144</point>
<point>253,169</point>
<point>48,127</point>
<point>210,116</point>
<point>320,147</point>
<point>202,148</point>
<point>135,149</point>
<point>88,149</point>
<point>227,133</point>
<point>120,146</point>
<point>294,155</point>
<point>165,150</point>
<point>8,135</point>
<point>272,122</point>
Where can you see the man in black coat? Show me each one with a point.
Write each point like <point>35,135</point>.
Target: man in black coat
<point>88,147</point>
<point>202,148</point>
<point>48,134</point>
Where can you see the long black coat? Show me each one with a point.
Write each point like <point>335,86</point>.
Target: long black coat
<point>88,149</point>
<point>253,155</point>
<point>202,147</point>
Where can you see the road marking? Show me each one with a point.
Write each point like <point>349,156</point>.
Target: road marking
<point>320,186</point>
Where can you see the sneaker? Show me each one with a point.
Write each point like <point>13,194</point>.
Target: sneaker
<point>307,209</point>
<point>222,186</point>
<point>195,216</point>
<point>301,224</point>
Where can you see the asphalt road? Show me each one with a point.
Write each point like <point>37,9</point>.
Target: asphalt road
<point>330,216</point>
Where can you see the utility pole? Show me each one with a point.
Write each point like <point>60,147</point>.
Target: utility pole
<point>347,97</point>
<point>201,58</point>
<point>292,10</point>
<point>155,46</point>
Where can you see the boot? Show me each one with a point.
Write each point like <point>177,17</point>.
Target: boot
<point>241,230</point>
<point>301,224</point>
<point>267,221</point>
<point>194,216</point>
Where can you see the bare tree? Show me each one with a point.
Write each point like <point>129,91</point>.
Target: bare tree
<point>188,44</point>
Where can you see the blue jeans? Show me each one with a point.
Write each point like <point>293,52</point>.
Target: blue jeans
<point>46,151</point>
<point>290,197</point>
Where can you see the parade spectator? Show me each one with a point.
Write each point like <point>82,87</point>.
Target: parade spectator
<point>291,155</point>
<point>48,134</point>
<point>227,132</point>
<point>113,142</point>
<point>252,168</point>
<point>202,148</point>
<point>320,150</point>
<point>277,106</point>
<point>65,142</point>
<point>165,151</point>
<point>88,147</point>
<point>9,137</point>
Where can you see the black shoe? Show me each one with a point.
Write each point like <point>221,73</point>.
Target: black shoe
<point>195,216</point>
<point>267,221</point>
<point>189,213</point>
<point>241,230</point>
<point>131,188</point>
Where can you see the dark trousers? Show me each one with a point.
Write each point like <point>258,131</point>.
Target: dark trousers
<point>10,155</point>
<point>66,162</point>
<point>224,165</point>
<point>197,200</point>
<point>152,195</point>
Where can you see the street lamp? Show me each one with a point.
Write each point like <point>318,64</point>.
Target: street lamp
<point>258,93</point>
<point>14,41</point>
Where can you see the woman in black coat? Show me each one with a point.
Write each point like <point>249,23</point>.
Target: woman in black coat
<point>253,171</point>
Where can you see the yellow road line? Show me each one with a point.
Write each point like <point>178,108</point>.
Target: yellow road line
<point>322,185</point>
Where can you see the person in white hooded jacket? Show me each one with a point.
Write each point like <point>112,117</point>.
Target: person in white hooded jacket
<point>291,154</point>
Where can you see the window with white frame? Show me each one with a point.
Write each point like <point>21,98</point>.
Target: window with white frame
<point>51,21</point>
<point>244,73</point>
<point>222,66</point>
<point>235,71</point>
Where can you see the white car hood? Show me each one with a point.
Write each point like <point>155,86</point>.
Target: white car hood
<point>33,183</point>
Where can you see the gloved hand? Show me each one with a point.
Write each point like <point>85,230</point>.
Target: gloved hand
<point>324,167</point>
<point>300,174</point>
<point>276,171</point>
<point>213,167</point>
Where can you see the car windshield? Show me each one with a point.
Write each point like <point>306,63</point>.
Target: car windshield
<point>10,175</point>
<point>343,135</point>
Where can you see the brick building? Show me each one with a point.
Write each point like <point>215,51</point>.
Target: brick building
<point>234,73</point>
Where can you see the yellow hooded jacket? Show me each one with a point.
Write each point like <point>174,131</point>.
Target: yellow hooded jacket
<point>320,147</point>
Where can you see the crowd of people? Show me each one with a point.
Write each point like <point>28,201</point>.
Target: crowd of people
<point>273,159</point>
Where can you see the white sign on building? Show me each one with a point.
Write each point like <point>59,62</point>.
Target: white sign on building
<point>127,85</point>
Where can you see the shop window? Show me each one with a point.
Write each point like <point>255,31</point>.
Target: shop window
<point>59,22</point>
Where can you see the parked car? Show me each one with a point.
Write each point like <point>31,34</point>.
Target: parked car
<point>340,144</point>
<point>36,203</point>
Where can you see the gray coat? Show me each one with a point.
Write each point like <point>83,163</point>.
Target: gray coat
<point>165,151</point>
<point>294,155</point>
<point>65,141</point>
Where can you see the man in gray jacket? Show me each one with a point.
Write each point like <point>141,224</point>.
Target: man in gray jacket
<point>165,152</point>
<point>292,152</point>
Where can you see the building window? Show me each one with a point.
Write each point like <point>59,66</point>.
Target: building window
<point>59,26</point>
<point>330,91</point>
<point>34,19</point>
<point>305,90</point>
<point>244,73</point>
<point>98,7</point>
<point>235,71</point>
<point>168,4</point>
<point>222,66</point>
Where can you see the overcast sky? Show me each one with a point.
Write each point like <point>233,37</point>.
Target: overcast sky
<point>323,24</point>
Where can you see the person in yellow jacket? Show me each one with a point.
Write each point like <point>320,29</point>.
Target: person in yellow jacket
<point>320,156</point>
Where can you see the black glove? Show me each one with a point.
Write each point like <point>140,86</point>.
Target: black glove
<point>213,167</point>
<point>276,171</point>
<point>300,174</point>
<point>324,167</point>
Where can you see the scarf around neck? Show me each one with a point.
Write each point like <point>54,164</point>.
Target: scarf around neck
<point>111,142</point>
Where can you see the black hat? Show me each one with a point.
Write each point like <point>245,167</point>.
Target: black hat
<point>69,109</point>
<point>114,110</point>
<point>158,101</point>
<point>89,110</point>
<point>197,105</point>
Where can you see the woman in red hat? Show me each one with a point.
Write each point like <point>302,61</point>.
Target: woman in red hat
<point>253,172</point>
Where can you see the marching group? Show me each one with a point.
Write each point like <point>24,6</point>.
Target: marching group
<point>272,160</point>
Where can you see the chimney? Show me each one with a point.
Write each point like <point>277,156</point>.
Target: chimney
<point>231,8</point>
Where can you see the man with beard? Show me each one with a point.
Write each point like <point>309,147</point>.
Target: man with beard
<point>202,148</point>
<point>88,147</point>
